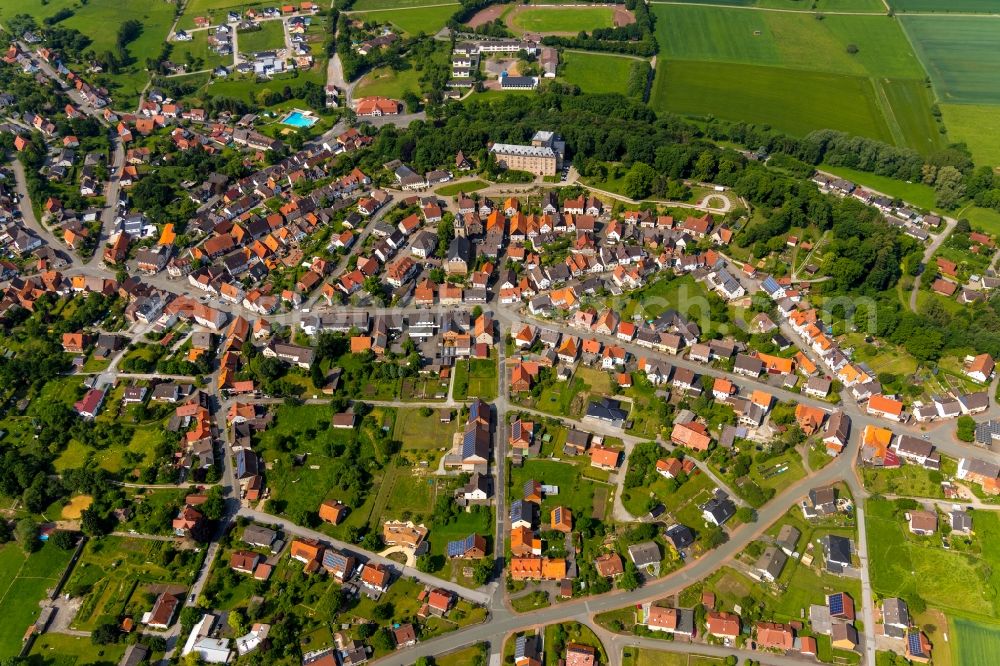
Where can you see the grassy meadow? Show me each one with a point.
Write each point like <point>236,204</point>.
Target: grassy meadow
<point>596,72</point>
<point>427,20</point>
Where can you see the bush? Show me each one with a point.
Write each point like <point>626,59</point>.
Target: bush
<point>966,428</point>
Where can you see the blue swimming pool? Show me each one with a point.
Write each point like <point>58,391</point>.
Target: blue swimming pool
<point>298,119</point>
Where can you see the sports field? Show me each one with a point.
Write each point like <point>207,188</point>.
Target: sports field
<point>962,55</point>
<point>796,102</point>
<point>988,6</point>
<point>973,642</point>
<point>564,20</point>
<point>411,21</point>
<point>595,72</point>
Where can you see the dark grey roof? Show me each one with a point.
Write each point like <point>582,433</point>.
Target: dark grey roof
<point>645,553</point>
<point>680,535</point>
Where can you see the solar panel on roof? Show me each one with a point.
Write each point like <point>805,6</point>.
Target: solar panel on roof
<point>456,548</point>
<point>836,602</point>
<point>913,640</point>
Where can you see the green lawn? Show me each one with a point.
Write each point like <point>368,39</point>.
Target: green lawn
<point>113,572</point>
<point>423,433</point>
<point>960,54</point>
<point>271,35</point>
<point>596,72</point>
<point>682,504</point>
<point>976,125</point>
<point>456,188</point>
<point>462,657</point>
<point>427,20</point>
<point>62,650</point>
<point>385,82</point>
<point>24,581</point>
<point>778,472</point>
<point>576,491</point>
<point>911,480</point>
<point>650,657</point>
<point>475,378</point>
<point>916,194</point>
<point>903,565</point>
<point>562,20</point>
<point>305,429</point>
<point>197,54</point>
<point>984,219</point>
<point>792,101</point>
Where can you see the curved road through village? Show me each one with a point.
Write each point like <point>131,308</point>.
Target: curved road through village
<point>502,621</point>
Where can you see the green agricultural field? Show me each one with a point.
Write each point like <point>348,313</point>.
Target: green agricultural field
<point>427,20</point>
<point>960,54</point>
<point>978,127</point>
<point>796,102</point>
<point>109,15</point>
<point>270,35</point>
<point>906,104</point>
<point>385,82</point>
<point>562,20</point>
<point>873,6</point>
<point>784,39</point>
<point>595,72</point>
<point>24,581</point>
<point>969,6</point>
<point>974,642</point>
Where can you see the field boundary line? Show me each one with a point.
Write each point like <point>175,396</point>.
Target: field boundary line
<point>400,9</point>
<point>766,9</point>
<point>13,580</point>
<point>885,106</point>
